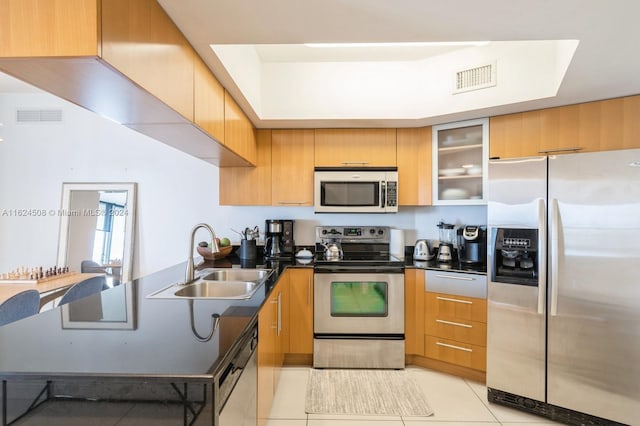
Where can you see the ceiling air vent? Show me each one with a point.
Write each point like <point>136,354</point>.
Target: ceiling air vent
<point>475,78</point>
<point>38,115</point>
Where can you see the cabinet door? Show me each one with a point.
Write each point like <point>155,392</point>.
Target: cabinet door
<point>355,147</point>
<point>292,153</point>
<point>281,294</point>
<point>130,30</point>
<point>301,311</point>
<point>414,166</point>
<point>249,186</point>
<point>592,126</point>
<point>460,162</point>
<point>414,311</point>
<point>266,358</point>
<point>208,102</point>
<point>49,28</point>
<point>239,133</point>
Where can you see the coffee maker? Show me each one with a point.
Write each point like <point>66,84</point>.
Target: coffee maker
<point>472,244</point>
<point>278,239</point>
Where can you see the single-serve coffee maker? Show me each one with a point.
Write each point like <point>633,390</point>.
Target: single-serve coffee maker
<point>278,238</point>
<point>472,244</point>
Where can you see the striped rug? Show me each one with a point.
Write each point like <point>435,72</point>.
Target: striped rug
<point>365,392</point>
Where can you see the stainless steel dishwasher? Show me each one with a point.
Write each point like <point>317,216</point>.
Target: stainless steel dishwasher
<point>235,398</point>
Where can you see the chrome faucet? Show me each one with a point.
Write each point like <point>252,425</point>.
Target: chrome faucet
<point>189,276</point>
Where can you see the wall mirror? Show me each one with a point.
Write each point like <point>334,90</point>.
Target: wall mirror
<point>96,229</point>
<point>96,236</point>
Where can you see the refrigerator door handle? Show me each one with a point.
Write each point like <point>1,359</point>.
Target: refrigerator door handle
<point>542,256</point>
<point>554,246</point>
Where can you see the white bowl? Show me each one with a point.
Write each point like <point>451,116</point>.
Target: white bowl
<point>452,172</point>
<point>474,170</point>
<point>455,194</point>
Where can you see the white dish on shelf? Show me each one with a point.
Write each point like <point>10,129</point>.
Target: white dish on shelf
<point>452,172</point>
<point>455,194</point>
<point>474,170</point>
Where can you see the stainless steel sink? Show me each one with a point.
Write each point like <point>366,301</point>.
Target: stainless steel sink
<point>237,275</point>
<point>218,283</point>
<point>219,290</point>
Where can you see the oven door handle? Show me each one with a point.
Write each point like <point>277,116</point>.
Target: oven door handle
<point>331,269</point>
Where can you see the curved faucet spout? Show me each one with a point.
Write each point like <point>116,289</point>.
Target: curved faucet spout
<point>190,274</point>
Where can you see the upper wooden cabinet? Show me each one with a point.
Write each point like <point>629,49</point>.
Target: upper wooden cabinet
<point>249,186</point>
<point>208,101</point>
<point>239,134</point>
<point>355,147</point>
<point>141,41</point>
<point>127,61</point>
<point>292,153</point>
<point>414,166</point>
<point>593,126</point>
<point>40,28</point>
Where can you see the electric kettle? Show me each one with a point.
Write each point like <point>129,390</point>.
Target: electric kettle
<point>422,251</point>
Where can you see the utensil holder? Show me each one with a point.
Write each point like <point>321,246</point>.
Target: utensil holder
<point>247,249</point>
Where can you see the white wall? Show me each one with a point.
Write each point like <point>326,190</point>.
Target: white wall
<point>175,191</point>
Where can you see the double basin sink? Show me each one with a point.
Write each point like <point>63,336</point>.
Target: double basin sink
<point>218,283</point>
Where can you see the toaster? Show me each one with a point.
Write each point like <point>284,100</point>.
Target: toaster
<point>422,251</point>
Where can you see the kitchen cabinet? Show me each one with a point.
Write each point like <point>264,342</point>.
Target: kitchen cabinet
<point>414,311</point>
<point>300,310</point>
<point>414,166</point>
<point>456,329</point>
<point>122,59</point>
<point>292,153</point>
<point>272,345</point>
<point>208,101</point>
<point>249,186</point>
<point>460,162</point>
<point>355,147</point>
<point>239,134</point>
<point>166,73</point>
<point>592,126</point>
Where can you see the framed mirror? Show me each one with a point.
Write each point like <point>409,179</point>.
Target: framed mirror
<point>97,236</point>
<point>97,229</point>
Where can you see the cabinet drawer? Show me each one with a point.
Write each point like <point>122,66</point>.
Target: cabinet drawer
<point>472,332</point>
<point>455,308</point>
<point>461,284</point>
<point>464,354</point>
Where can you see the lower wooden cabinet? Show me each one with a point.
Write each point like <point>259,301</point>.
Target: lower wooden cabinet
<point>456,329</point>
<point>273,343</point>
<point>414,311</point>
<point>300,311</point>
<point>458,353</point>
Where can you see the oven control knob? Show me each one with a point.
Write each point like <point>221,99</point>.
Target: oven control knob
<point>372,231</point>
<point>324,232</point>
<point>380,231</point>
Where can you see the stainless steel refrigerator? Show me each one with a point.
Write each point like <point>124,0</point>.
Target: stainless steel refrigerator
<point>563,336</point>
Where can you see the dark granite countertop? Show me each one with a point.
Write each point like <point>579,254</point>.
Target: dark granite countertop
<point>161,346</point>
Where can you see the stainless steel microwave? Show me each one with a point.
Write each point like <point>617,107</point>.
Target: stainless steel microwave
<point>355,190</point>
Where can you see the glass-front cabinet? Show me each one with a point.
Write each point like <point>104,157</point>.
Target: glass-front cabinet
<point>460,162</point>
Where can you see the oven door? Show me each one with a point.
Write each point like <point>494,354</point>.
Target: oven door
<point>359,303</point>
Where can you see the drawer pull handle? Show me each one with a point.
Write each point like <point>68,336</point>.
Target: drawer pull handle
<point>292,203</point>
<point>549,151</point>
<point>448,299</point>
<point>457,324</point>
<point>460,348</point>
<point>453,277</point>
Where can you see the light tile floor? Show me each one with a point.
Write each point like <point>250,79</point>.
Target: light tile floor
<point>454,401</point>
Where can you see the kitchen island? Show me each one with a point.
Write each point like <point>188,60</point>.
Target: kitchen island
<point>159,359</point>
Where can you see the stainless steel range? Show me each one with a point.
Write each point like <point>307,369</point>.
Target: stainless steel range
<point>358,299</point>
